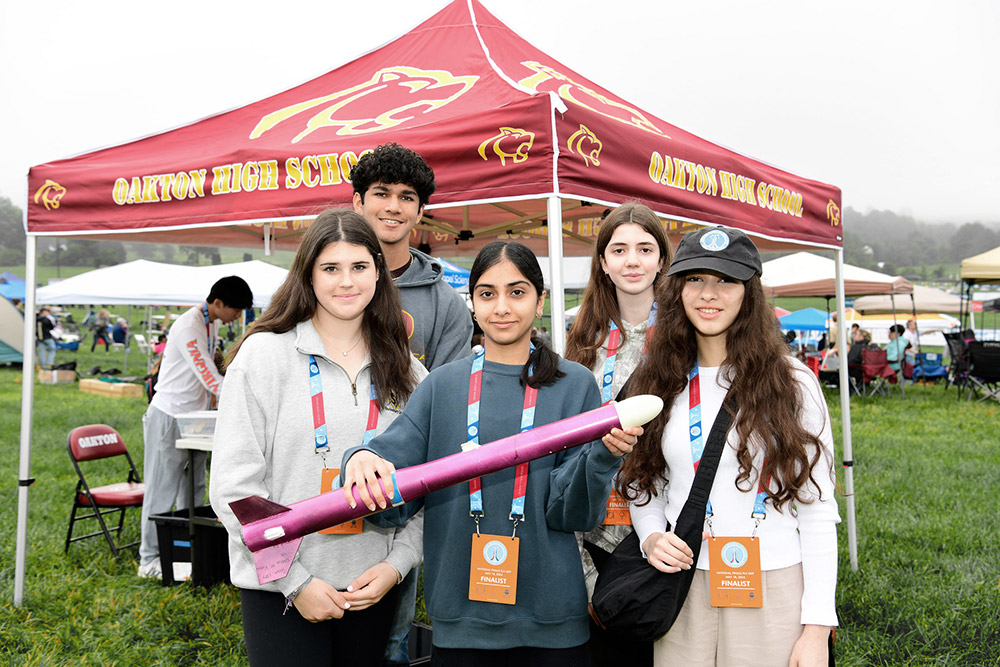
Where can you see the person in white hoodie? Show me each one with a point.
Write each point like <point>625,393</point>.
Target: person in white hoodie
<point>766,571</point>
<point>324,369</point>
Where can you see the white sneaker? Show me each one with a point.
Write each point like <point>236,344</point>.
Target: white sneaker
<point>151,570</point>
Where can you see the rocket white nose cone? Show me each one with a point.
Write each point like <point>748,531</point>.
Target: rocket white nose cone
<point>638,410</point>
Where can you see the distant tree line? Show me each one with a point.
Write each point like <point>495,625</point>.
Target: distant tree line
<point>898,244</point>
<point>70,251</point>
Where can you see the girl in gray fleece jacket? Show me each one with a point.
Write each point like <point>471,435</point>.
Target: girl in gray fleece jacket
<point>304,385</point>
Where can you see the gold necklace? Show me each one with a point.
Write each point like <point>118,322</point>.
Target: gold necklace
<point>343,352</point>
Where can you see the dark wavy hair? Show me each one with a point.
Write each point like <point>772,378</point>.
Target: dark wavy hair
<point>542,367</point>
<point>767,408</point>
<point>391,164</point>
<point>382,324</point>
<point>600,300</point>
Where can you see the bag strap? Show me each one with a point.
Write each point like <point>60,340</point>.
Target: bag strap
<point>693,512</point>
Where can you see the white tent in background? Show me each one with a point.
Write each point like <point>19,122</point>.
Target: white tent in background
<point>925,300</point>
<point>806,274</point>
<point>575,272</point>
<point>142,283</point>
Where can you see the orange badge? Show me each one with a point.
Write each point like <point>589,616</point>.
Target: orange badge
<point>617,514</point>
<point>734,572</point>
<point>352,527</point>
<point>493,574</point>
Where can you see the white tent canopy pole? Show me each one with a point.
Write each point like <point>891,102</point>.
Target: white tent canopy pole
<point>27,404</point>
<point>557,299</point>
<point>845,415</point>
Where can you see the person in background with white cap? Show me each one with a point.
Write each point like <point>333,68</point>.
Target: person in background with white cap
<point>715,334</point>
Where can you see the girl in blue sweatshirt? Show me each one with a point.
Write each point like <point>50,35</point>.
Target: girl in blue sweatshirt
<point>502,575</point>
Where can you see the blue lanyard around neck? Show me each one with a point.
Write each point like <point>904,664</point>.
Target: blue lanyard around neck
<point>614,339</point>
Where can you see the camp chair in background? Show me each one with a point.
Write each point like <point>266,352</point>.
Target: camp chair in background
<point>140,342</point>
<point>928,367</point>
<point>984,370</point>
<point>959,365</point>
<point>877,376</point>
<point>91,443</point>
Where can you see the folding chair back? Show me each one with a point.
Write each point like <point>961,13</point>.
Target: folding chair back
<point>928,367</point>
<point>91,443</point>
<point>876,371</point>
<point>984,369</point>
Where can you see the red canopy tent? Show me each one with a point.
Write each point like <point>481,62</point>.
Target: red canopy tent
<point>518,141</point>
<point>503,125</point>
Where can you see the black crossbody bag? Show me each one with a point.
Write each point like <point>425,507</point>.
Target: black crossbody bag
<point>633,600</point>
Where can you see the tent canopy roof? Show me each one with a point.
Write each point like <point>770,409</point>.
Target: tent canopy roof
<point>806,274</point>
<point>984,268</point>
<point>142,282</point>
<point>503,125</point>
<point>925,300</point>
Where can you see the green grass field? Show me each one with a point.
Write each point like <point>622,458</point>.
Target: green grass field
<point>927,592</point>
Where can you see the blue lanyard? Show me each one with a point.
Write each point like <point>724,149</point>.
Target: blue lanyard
<point>208,330</point>
<point>319,413</point>
<point>614,337</point>
<point>696,434</point>
<point>472,422</point>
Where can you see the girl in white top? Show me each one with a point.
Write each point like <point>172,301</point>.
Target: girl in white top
<point>774,488</point>
<point>325,368</point>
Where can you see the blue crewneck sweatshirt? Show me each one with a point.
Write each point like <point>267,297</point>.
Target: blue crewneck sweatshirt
<point>566,492</point>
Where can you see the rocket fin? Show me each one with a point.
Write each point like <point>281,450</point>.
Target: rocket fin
<point>255,508</point>
<point>274,562</point>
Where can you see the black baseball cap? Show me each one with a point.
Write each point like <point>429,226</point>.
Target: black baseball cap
<point>722,249</point>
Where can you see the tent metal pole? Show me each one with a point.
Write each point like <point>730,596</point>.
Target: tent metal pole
<point>557,295</point>
<point>24,480</point>
<point>845,415</point>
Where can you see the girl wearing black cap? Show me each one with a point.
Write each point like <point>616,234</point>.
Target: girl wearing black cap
<point>763,592</point>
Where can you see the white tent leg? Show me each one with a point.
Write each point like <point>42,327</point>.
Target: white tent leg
<point>557,295</point>
<point>845,413</point>
<point>27,403</point>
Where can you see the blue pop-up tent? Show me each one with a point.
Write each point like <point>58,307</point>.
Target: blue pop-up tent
<point>807,319</point>
<point>454,275</point>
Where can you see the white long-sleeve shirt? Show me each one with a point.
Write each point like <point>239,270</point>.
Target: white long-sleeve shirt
<point>187,372</point>
<point>805,534</point>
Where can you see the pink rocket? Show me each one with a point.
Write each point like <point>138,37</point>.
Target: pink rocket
<point>273,531</point>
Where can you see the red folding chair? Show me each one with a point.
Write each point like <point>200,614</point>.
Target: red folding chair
<point>876,373</point>
<point>91,443</point>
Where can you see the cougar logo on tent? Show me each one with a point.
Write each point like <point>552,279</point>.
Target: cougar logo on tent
<point>50,194</point>
<point>586,143</point>
<point>833,213</point>
<point>546,79</point>
<point>403,92</point>
<point>512,143</point>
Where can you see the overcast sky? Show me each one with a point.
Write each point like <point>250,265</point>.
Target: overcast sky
<point>895,102</point>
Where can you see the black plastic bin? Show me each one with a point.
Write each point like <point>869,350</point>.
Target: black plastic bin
<point>211,545</point>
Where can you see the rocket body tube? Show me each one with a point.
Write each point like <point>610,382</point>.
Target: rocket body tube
<point>267,524</point>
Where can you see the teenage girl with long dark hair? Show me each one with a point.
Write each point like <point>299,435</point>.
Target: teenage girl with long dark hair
<point>773,495</point>
<point>538,616</point>
<point>609,337</point>
<point>325,368</point>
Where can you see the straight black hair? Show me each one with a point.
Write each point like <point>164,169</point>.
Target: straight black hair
<point>542,367</point>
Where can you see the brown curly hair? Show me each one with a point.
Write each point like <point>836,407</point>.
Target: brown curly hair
<point>767,414</point>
